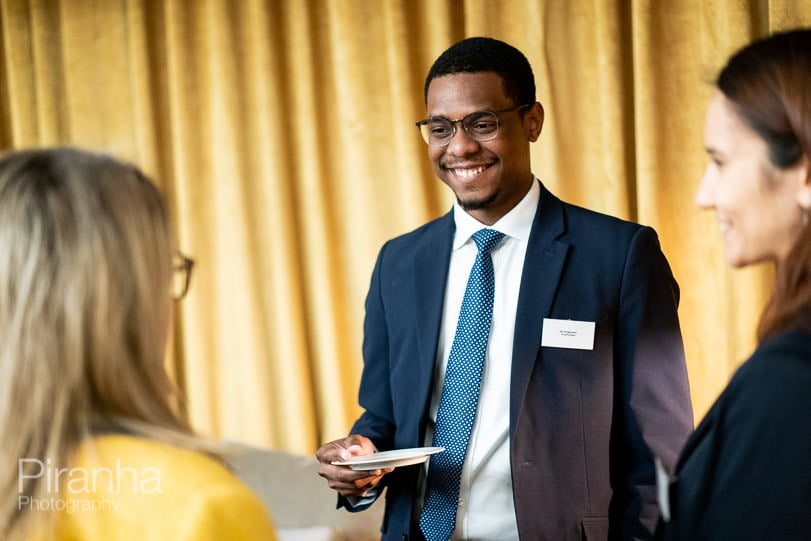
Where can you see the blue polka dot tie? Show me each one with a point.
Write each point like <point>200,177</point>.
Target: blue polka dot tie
<point>460,393</point>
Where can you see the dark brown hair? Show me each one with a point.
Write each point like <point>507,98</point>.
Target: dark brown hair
<point>769,84</point>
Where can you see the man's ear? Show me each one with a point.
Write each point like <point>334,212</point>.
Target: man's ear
<point>533,121</point>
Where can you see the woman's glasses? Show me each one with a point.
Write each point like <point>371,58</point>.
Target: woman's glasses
<point>181,275</point>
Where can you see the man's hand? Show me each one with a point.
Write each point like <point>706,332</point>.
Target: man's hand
<point>344,479</point>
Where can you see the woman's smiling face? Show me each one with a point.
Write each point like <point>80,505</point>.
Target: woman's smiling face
<point>756,203</point>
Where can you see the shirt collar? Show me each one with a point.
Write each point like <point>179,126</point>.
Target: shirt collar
<point>516,224</point>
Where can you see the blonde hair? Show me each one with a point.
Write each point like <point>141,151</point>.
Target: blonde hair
<point>85,299</point>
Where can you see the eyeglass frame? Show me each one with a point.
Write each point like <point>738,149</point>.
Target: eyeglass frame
<point>453,122</point>
<point>186,264</point>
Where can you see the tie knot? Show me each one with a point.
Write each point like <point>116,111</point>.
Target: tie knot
<point>487,239</point>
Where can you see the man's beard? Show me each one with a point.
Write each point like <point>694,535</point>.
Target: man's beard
<point>478,204</point>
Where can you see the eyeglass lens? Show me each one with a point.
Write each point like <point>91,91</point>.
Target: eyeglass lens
<point>481,126</point>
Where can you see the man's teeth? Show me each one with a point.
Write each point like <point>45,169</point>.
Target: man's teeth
<point>467,173</point>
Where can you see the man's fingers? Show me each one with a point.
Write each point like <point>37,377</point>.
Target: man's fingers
<point>354,487</point>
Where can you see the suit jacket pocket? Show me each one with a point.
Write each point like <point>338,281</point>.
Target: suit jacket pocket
<point>595,528</point>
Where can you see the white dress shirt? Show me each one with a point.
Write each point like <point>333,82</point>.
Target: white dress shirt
<point>486,509</point>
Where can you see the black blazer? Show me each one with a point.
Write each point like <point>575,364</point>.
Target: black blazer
<point>584,425</point>
<point>746,472</point>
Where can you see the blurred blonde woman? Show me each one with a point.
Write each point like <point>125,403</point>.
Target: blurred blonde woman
<point>745,474</point>
<point>91,446</point>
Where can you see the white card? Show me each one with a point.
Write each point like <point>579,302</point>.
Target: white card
<point>663,489</point>
<point>568,333</point>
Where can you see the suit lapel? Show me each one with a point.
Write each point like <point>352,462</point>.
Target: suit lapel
<point>431,263</point>
<point>543,265</point>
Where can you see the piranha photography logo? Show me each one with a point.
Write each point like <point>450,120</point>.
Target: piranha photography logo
<point>81,489</point>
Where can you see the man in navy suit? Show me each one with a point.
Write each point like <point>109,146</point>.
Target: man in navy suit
<point>584,378</point>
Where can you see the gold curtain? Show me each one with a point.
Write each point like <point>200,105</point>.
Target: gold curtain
<point>282,135</point>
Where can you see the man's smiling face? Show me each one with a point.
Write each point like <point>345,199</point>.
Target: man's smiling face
<point>488,178</point>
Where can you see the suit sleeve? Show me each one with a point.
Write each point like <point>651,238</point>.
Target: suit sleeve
<point>374,395</point>
<point>376,422</point>
<point>656,413</point>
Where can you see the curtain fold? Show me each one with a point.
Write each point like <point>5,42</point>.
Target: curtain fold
<point>282,133</point>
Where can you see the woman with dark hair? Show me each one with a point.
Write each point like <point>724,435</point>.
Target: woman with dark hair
<point>746,471</point>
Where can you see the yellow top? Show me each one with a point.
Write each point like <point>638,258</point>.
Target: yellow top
<point>128,488</point>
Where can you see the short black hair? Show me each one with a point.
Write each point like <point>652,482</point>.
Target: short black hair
<point>477,54</point>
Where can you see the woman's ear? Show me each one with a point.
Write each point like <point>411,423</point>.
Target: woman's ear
<point>804,189</point>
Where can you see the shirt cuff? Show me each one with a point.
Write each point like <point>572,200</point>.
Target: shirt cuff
<point>359,501</point>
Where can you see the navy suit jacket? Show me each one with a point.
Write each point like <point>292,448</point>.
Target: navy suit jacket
<point>743,474</point>
<point>584,425</point>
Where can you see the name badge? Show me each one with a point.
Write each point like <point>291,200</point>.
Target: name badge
<point>568,333</point>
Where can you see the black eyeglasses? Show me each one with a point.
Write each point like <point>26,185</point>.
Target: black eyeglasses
<point>181,275</point>
<point>438,131</point>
